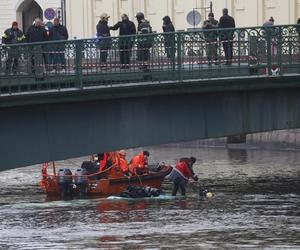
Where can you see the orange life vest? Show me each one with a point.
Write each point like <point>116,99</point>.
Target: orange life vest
<point>138,161</point>
<point>123,165</point>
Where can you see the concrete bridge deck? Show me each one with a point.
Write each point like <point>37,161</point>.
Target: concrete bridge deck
<point>87,107</point>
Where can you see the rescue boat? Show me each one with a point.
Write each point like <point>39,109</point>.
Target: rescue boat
<point>108,182</point>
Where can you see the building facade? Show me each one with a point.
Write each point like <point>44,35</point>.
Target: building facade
<point>25,11</point>
<point>82,16</point>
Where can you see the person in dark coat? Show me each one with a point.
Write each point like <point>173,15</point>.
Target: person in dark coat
<point>126,28</point>
<point>144,42</point>
<point>211,38</point>
<point>58,32</point>
<point>103,34</point>
<point>298,28</point>
<point>36,33</point>
<point>227,22</point>
<point>13,35</point>
<point>168,27</point>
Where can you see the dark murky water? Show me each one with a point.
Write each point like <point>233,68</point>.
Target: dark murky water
<point>257,206</point>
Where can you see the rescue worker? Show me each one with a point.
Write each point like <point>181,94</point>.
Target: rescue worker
<point>36,33</point>
<point>103,34</point>
<point>181,173</point>
<point>211,38</point>
<point>58,32</point>
<point>126,28</point>
<point>12,35</point>
<point>139,163</point>
<point>105,161</point>
<point>168,27</point>
<point>123,162</point>
<point>144,42</point>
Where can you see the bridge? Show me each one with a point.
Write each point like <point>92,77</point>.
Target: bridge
<point>53,110</point>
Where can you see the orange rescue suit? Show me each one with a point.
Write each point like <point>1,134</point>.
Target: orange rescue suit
<point>102,163</point>
<point>120,161</point>
<point>123,165</point>
<point>138,162</point>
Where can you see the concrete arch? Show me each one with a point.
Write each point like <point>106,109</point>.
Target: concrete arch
<point>20,3</point>
<point>27,10</point>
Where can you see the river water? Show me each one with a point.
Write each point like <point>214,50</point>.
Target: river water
<point>256,206</point>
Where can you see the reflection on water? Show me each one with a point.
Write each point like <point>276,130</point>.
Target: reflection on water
<point>257,205</point>
<point>237,155</point>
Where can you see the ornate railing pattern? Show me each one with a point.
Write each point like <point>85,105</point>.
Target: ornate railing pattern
<point>180,56</point>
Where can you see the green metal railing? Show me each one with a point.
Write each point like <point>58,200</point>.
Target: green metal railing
<point>257,52</point>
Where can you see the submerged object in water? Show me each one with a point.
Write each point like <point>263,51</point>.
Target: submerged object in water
<point>140,192</point>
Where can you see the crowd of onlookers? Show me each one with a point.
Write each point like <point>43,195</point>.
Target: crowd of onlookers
<point>35,33</point>
<point>39,33</point>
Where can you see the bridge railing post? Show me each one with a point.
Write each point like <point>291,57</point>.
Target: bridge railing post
<point>279,49</point>
<point>269,49</point>
<point>239,47</point>
<point>180,55</point>
<point>78,62</point>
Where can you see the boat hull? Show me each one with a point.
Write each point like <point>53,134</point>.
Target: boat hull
<point>108,186</point>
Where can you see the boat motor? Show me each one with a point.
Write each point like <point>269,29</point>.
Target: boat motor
<point>64,179</point>
<point>81,181</point>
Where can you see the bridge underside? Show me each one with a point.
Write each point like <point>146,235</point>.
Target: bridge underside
<point>36,133</point>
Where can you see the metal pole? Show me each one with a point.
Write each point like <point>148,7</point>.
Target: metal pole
<point>211,7</point>
<point>63,11</point>
<point>194,21</point>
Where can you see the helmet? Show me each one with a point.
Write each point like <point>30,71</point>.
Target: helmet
<point>140,16</point>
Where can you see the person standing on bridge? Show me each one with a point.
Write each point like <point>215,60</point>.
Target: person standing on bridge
<point>145,41</point>
<point>169,38</point>
<point>35,34</point>
<point>12,35</point>
<point>269,22</point>
<point>211,38</point>
<point>104,40</point>
<point>58,32</point>
<point>126,28</point>
<point>181,173</point>
<point>227,22</point>
<point>271,34</point>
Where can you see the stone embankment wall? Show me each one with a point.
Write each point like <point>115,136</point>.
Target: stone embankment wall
<point>283,139</point>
